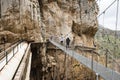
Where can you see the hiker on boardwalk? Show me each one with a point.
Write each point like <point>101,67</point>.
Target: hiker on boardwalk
<point>67,42</point>
<point>61,39</point>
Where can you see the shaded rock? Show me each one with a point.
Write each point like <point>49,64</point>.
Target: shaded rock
<point>9,36</point>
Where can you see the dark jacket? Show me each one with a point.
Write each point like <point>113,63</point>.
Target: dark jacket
<point>68,40</point>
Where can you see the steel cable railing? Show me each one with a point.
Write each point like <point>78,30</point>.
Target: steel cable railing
<point>101,70</point>
<point>4,54</point>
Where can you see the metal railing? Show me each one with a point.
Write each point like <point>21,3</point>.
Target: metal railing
<point>4,54</point>
<point>22,68</point>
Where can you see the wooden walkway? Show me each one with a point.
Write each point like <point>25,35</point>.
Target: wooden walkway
<point>106,73</point>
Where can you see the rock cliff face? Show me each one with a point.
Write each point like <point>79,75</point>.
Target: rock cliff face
<point>53,18</point>
<point>68,18</point>
<point>21,18</point>
<point>71,18</point>
<point>38,20</point>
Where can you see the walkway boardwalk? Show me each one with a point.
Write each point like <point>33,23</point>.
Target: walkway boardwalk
<point>104,72</point>
<point>8,71</point>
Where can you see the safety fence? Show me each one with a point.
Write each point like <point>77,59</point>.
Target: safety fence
<point>11,51</point>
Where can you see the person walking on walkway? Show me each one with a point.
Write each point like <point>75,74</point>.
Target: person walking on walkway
<point>67,42</point>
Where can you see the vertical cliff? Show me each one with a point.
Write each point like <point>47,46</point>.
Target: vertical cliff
<point>38,20</point>
<point>69,18</point>
<point>34,19</point>
<point>72,18</point>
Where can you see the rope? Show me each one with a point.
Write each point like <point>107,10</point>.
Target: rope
<point>107,8</point>
<point>103,24</point>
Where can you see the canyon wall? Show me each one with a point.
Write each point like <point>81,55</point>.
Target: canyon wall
<point>39,20</point>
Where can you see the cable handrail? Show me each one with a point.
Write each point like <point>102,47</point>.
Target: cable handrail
<point>14,44</point>
<point>107,8</point>
<point>9,53</point>
<point>103,71</point>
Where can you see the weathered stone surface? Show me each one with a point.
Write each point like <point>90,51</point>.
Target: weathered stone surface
<point>69,18</point>
<point>22,19</point>
<point>9,36</point>
<point>57,17</point>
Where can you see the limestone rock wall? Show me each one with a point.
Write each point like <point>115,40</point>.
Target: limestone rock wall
<point>21,18</point>
<point>38,20</point>
<point>35,19</point>
<point>71,18</point>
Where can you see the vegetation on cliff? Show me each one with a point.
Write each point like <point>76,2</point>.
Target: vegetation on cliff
<point>107,39</point>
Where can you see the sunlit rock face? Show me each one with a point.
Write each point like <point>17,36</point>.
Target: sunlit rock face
<point>21,18</point>
<point>38,21</point>
<point>68,17</point>
<point>72,18</point>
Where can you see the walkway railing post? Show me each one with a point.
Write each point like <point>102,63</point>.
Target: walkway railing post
<point>6,57</point>
<point>17,47</point>
<point>106,55</point>
<point>20,45</point>
<point>97,76</point>
<point>13,51</point>
<point>5,53</point>
<point>4,48</point>
<point>92,65</point>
